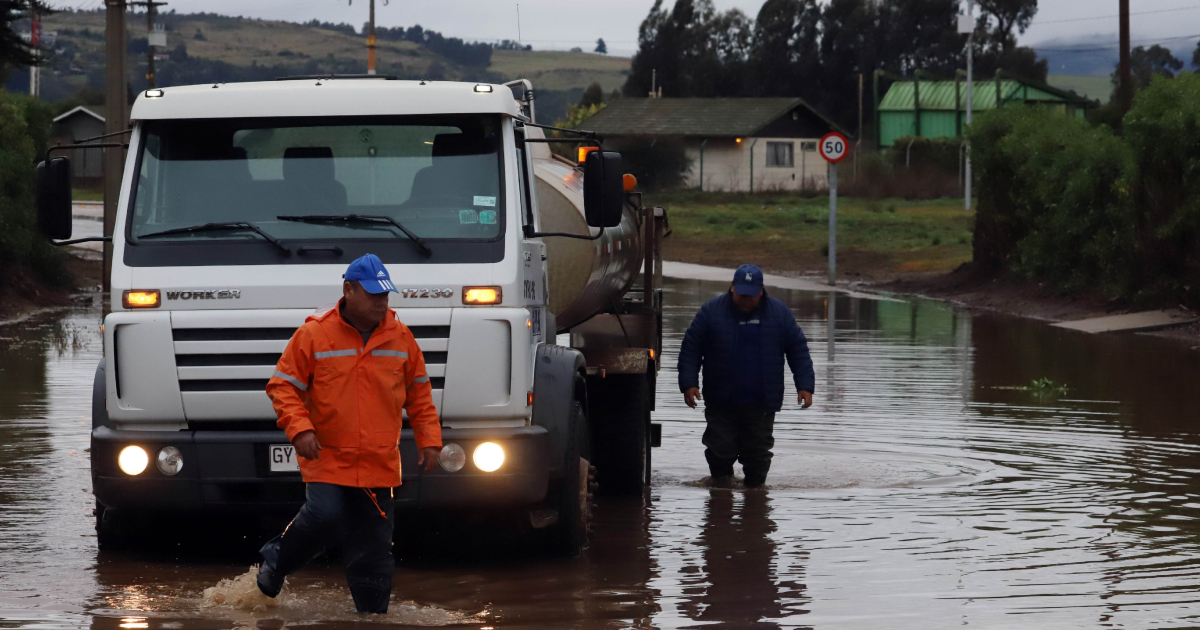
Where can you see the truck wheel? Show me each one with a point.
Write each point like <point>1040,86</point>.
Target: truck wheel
<point>110,534</point>
<point>622,435</point>
<point>573,501</point>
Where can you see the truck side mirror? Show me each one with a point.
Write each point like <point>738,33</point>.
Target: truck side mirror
<point>603,189</point>
<point>54,197</point>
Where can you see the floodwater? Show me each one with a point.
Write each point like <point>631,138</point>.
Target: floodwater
<point>923,489</point>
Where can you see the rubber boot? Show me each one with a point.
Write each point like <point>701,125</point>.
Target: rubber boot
<point>370,599</point>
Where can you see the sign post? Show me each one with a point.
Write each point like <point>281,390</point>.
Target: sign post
<point>833,148</point>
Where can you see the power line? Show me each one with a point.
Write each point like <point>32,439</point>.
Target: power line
<point>1106,17</point>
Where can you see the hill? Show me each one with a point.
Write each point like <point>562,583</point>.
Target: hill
<point>204,47</point>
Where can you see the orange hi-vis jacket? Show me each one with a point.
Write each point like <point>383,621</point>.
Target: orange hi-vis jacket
<point>352,396</point>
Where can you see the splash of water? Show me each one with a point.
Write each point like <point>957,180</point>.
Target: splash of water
<point>241,593</point>
<point>316,603</point>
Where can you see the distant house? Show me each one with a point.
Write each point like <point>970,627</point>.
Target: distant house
<point>938,109</point>
<point>79,124</point>
<point>734,144</point>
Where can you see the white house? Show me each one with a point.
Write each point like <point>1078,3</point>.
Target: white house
<point>734,144</point>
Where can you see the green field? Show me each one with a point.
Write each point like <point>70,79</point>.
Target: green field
<point>1095,88</point>
<point>561,70</point>
<point>877,239</point>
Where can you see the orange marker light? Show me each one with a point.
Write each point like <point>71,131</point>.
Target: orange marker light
<point>629,181</point>
<point>140,298</point>
<point>651,353</point>
<point>583,151</point>
<point>481,295</point>
<point>529,399</point>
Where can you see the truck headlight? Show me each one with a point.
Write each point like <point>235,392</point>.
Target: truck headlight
<point>488,457</point>
<point>170,460</point>
<point>133,460</point>
<point>453,458</point>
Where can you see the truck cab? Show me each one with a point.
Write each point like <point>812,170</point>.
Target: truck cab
<point>242,204</point>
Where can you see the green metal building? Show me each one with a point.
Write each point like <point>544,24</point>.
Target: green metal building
<point>937,109</point>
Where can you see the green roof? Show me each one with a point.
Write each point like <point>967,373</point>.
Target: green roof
<point>939,95</point>
<point>703,117</point>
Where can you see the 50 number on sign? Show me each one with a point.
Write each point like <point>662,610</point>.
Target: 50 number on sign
<point>833,147</point>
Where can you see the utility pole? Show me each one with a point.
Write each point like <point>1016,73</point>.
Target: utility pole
<point>150,36</point>
<point>35,42</point>
<point>371,36</point>
<point>971,102</point>
<point>1124,78</point>
<point>371,42</point>
<point>116,118</point>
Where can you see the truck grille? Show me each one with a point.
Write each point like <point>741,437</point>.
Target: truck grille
<point>213,360</point>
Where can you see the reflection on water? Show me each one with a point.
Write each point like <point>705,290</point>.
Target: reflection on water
<point>921,490</point>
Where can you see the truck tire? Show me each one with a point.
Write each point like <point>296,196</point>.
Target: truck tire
<point>621,435</point>
<point>110,529</point>
<point>572,501</point>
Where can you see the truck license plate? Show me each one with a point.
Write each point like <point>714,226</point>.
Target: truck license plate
<point>284,458</point>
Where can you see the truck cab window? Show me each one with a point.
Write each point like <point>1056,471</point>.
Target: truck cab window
<point>440,176</point>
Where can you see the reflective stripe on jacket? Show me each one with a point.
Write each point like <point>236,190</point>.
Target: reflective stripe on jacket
<point>352,396</point>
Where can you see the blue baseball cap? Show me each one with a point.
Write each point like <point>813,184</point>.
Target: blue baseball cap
<point>747,280</point>
<point>369,272</point>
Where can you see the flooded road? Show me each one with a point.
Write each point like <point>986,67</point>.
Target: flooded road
<point>927,487</point>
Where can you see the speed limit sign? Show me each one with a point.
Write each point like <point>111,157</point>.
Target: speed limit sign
<point>833,147</point>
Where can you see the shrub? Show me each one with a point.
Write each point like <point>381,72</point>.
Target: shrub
<point>24,133</point>
<point>1163,131</point>
<point>1053,200</point>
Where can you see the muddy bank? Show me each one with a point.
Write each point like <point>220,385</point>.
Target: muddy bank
<point>967,289</point>
<point>24,294</point>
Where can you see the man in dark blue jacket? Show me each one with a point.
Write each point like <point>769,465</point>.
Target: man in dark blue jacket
<point>741,339</point>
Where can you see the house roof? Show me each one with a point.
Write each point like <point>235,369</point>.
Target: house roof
<point>939,95</point>
<point>702,117</point>
<point>79,110</point>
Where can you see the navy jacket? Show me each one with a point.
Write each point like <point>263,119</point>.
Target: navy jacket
<point>711,342</point>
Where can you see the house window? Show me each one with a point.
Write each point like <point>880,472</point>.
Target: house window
<point>808,147</point>
<point>780,154</point>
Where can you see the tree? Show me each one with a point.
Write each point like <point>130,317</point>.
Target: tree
<point>850,46</point>
<point>13,50</point>
<point>601,47</point>
<point>1145,63</point>
<point>996,41</point>
<point>785,54</point>
<point>682,49</point>
<point>1196,56</point>
<point>593,95</point>
<point>1008,15</point>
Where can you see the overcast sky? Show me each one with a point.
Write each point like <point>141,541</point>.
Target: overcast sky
<point>566,23</point>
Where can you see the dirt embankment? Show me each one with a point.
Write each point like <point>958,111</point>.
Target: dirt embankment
<point>973,291</point>
<point>23,293</point>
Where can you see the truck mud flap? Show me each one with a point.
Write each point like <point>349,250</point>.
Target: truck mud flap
<point>554,383</point>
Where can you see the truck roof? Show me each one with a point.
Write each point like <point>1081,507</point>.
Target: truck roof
<point>323,97</point>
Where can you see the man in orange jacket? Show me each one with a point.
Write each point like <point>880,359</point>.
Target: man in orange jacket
<point>338,391</point>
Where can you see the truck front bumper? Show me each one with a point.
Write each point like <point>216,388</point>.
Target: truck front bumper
<point>231,470</point>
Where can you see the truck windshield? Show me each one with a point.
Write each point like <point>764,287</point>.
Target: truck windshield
<point>439,176</point>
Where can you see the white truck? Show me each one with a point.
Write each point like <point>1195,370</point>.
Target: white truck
<point>241,206</point>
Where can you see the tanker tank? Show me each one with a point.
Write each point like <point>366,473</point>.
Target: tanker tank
<point>585,277</point>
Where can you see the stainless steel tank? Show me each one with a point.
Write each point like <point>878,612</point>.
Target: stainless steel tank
<point>585,277</point>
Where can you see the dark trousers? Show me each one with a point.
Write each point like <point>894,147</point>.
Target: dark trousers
<point>345,516</point>
<point>736,434</point>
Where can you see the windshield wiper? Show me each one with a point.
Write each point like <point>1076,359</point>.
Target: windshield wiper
<point>222,227</point>
<point>361,219</point>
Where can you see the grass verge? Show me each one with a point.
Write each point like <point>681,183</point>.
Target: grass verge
<point>788,234</point>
